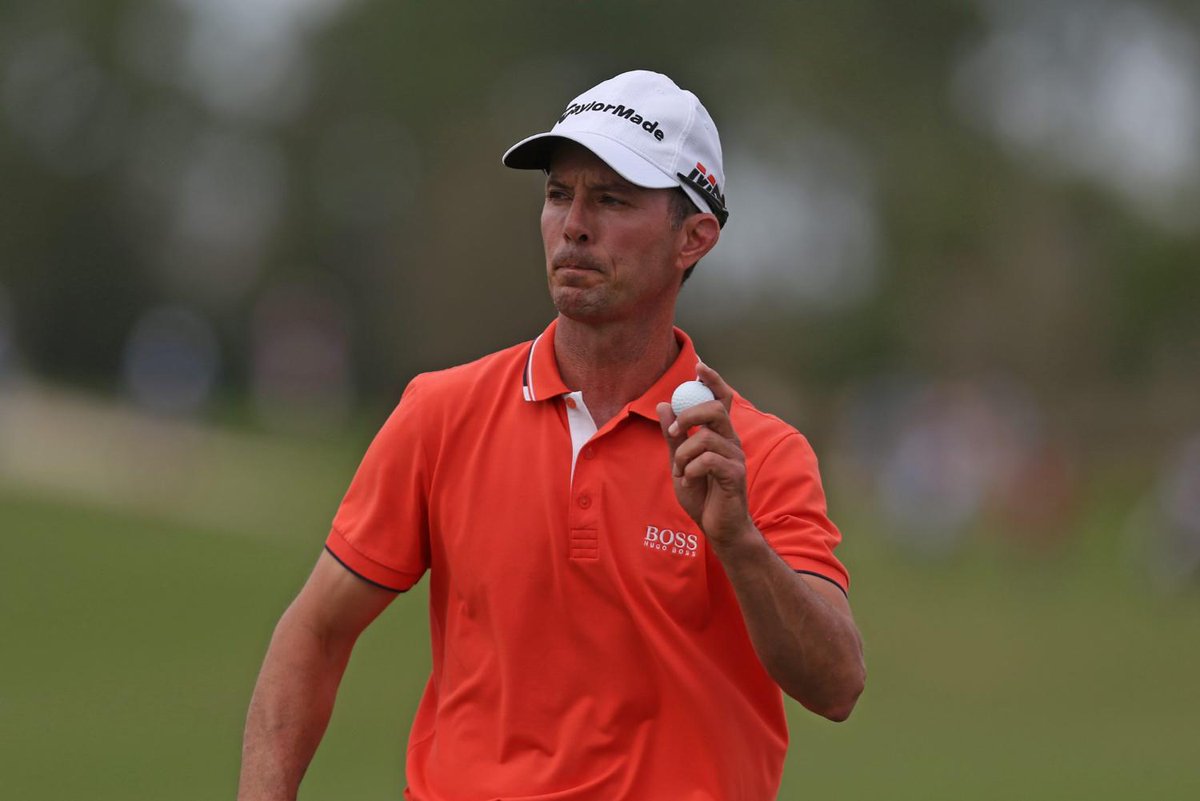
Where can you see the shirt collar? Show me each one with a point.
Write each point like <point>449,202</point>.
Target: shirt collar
<point>540,379</point>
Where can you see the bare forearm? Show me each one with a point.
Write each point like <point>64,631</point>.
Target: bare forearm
<point>289,711</point>
<point>811,649</point>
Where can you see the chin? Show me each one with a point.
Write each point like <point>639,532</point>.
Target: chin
<point>580,304</point>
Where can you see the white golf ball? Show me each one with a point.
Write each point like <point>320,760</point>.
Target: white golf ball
<point>688,394</point>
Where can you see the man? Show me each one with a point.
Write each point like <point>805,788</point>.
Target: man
<point>617,595</point>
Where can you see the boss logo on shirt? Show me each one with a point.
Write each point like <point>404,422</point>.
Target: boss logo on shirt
<point>680,543</point>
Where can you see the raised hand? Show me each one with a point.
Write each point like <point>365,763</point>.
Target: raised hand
<point>708,467</point>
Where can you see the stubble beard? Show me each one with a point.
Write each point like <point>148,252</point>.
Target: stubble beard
<point>602,298</point>
<point>586,304</point>
<point>586,299</point>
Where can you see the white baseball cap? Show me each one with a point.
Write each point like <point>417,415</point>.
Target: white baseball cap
<point>651,132</point>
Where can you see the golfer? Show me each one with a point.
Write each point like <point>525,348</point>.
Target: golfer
<point>618,597</point>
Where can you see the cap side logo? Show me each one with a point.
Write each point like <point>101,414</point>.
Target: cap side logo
<point>706,184</point>
<point>630,114</point>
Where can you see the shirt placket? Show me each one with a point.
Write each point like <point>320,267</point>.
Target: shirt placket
<point>583,514</point>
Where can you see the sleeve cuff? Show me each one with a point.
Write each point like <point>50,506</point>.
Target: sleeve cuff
<point>813,567</point>
<point>826,578</point>
<point>366,568</point>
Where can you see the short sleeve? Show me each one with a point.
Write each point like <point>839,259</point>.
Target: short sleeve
<point>788,506</point>
<point>380,531</point>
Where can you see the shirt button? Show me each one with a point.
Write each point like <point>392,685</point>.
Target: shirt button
<point>589,453</point>
<point>570,403</point>
<point>584,501</point>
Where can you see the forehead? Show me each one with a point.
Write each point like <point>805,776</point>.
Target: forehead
<point>571,161</point>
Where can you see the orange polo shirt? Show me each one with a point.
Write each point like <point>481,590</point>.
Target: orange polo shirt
<point>587,645</point>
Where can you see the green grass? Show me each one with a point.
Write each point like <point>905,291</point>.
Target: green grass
<point>1002,675</point>
<point>131,645</point>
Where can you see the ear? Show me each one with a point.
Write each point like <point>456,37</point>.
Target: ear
<point>700,233</point>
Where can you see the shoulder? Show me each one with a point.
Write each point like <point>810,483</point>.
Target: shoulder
<point>767,438</point>
<point>758,429</point>
<point>441,401</point>
<point>492,374</point>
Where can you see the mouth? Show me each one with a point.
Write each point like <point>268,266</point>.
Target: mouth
<point>574,263</point>
<point>573,274</point>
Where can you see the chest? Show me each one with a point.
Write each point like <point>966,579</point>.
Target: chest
<point>514,524</point>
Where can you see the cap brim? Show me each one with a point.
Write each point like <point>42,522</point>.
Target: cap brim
<point>534,153</point>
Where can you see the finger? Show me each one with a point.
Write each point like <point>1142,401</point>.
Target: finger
<point>711,414</point>
<point>705,441</point>
<point>666,420</point>
<point>712,379</point>
<point>728,473</point>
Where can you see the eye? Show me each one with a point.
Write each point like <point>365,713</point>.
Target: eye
<point>555,194</point>
<point>611,200</point>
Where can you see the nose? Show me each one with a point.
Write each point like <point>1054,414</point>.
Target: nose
<point>577,227</point>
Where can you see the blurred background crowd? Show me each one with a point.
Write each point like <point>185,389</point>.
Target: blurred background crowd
<point>963,255</point>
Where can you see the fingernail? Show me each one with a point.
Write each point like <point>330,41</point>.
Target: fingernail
<point>673,429</point>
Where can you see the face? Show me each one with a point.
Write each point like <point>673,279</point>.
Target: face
<point>611,252</point>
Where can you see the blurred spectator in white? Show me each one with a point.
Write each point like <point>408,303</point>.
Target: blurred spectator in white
<point>943,456</point>
<point>1167,524</point>
<point>1036,506</point>
<point>170,361</point>
<point>301,358</point>
<point>950,449</point>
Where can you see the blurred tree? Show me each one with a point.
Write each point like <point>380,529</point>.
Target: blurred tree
<point>359,143</point>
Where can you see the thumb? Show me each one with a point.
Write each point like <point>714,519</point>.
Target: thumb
<point>666,416</point>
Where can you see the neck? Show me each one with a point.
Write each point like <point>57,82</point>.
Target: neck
<point>613,363</point>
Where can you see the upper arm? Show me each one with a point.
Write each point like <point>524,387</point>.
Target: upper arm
<point>381,528</point>
<point>787,504</point>
<point>335,604</point>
